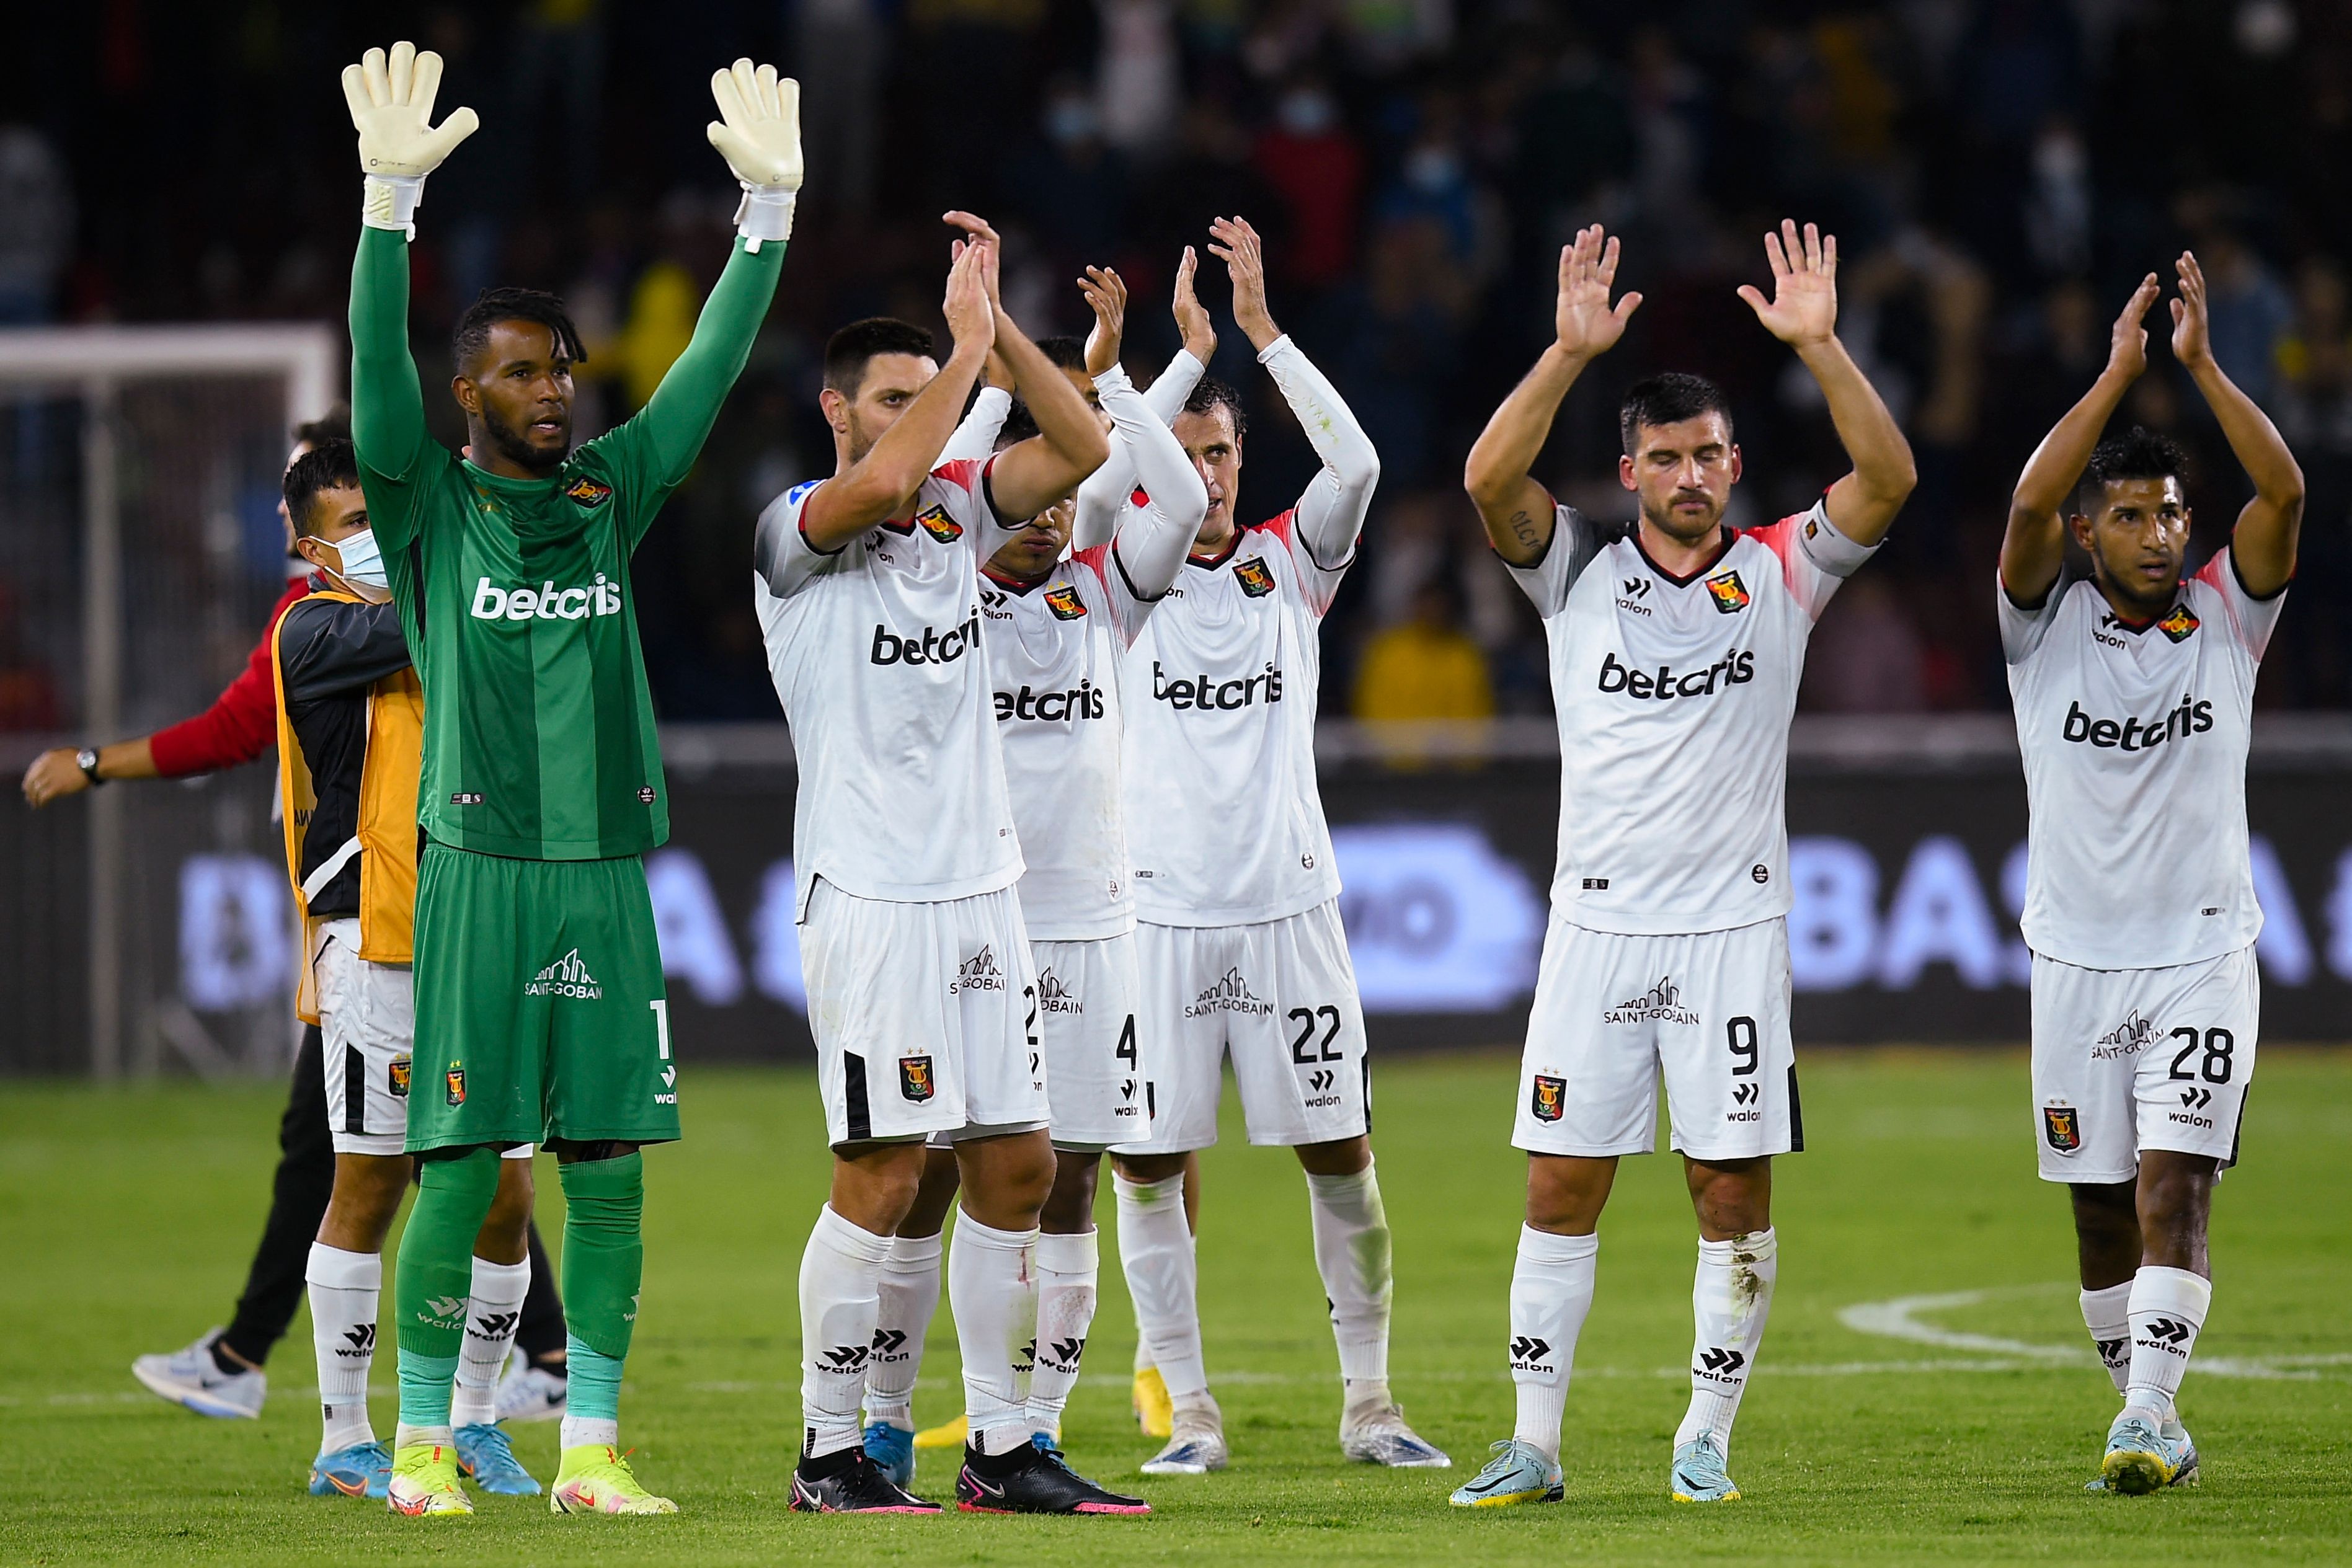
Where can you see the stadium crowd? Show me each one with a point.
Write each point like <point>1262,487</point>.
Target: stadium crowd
<point>2000,172</point>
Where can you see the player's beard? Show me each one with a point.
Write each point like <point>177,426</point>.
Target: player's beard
<point>1680,528</point>
<point>515,446</point>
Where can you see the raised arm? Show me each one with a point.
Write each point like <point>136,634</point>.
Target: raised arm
<point>879,483</point>
<point>1802,313</point>
<point>1070,444</point>
<point>2263,545</point>
<point>1152,540</point>
<point>1516,510</point>
<point>1104,494</point>
<point>2033,546</point>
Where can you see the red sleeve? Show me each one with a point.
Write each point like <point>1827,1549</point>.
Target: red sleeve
<point>241,724</point>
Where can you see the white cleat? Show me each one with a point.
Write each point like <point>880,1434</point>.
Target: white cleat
<point>191,1377</point>
<point>1197,1446</point>
<point>1380,1437</point>
<point>528,1392</point>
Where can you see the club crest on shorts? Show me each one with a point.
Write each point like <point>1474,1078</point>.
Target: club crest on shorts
<point>2061,1128</point>
<point>1730,594</point>
<point>936,522</point>
<point>2180,625</point>
<point>1255,579</point>
<point>396,1077</point>
<point>915,1079</point>
<point>454,1082</point>
<point>587,491</point>
<point>1549,1102</point>
<point>1064,602</point>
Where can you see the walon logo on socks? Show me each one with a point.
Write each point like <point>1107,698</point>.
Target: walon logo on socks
<point>1529,1353</point>
<point>1717,1364</point>
<point>444,1313</point>
<point>361,1338</point>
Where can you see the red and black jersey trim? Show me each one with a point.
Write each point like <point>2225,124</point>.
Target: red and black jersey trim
<point>1723,547</point>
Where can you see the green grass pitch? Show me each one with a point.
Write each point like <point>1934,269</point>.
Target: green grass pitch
<point>128,1218</point>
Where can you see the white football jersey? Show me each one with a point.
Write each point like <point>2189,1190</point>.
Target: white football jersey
<point>875,651</point>
<point>2135,741</point>
<point>1675,696</point>
<point>1054,650</point>
<point>1224,821</point>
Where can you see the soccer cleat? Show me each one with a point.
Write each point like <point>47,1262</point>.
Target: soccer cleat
<point>1517,1473</point>
<point>855,1485</point>
<point>892,1449</point>
<point>528,1392</point>
<point>2140,1459</point>
<point>1154,1412</point>
<point>594,1479</point>
<point>424,1481</point>
<point>953,1434</point>
<point>192,1378</point>
<point>364,1470</point>
<point>487,1458</point>
<point>1196,1446</point>
<point>1698,1474</point>
<point>1040,1480</point>
<point>1380,1437</point>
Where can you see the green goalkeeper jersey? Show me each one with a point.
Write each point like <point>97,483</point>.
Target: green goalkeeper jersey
<point>539,725</point>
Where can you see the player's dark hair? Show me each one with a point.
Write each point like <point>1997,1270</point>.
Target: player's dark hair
<point>848,352</point>
<point>2144,453</point>
<point>472,333</point>
<point>1210,393</point>
<point>335,424</point>
<point>1067,352</point>
<point>331,465</point>
<point>1019,424</point>
<point>1667,398</point>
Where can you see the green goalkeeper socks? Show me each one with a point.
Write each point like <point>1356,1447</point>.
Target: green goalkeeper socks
<point>604,1250</point>
<point>436,1279</point>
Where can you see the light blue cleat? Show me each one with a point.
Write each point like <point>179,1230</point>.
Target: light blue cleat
<point>1699,1474</point>
<point>1517,1473</point>
<point>2185,1475</point>
<point>487,1459</point>
<point>2140,1459</point>
<point>892,1449</point>
<point>364,1470</point>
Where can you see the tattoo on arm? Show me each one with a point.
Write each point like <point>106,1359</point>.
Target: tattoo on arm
<point>1523,529</point>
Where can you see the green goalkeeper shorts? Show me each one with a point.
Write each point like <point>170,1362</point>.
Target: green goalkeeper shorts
<point>540,1005</point>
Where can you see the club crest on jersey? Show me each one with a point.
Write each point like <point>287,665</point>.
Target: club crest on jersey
<point>396,1077</point>
<point>454,1084</point>
<point>1255,579</point>
<point>935,521</point>
<point>2061,1128</point>
<point>1064,602</point>
<point>2180,625</point>
<point>915,1079</point>
<point>1730,594</point>
<point>587,491</point>
<point>1549,1100</point>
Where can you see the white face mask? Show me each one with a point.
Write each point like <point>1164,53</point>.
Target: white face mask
<point>362,562</point>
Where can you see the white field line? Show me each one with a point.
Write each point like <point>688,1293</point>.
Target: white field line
<point>1898,1318</point>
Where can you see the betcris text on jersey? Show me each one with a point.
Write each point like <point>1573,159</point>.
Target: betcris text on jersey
<point>1204,691</point>
<point>933,646</point>
<point>1735,668</point>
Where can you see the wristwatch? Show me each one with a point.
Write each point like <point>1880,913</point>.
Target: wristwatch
<point>87,761</point>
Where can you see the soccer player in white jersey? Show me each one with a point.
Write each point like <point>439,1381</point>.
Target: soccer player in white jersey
<point>2135,695</point>
<point>1237,900</point>
<point>1676,645</point>
<point>920,987</point>
<point>1053,629</point>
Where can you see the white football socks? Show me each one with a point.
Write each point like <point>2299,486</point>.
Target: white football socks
<point>1551,1292</point>
<point>909,1295</point>
<point>992,1287</point>
<point>1155,1249</point>
<point>1352,1252</point>
<point>490,1319</point>
<point>1068,1271</point>
<point>2107,1314</point>
<point>840,1299</point>
<point>343,1290</point>
<point>1731,1298</point>
<point>2167,1309</point>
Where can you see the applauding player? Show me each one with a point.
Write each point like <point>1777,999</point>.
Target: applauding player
<point>2134,696</point>
<point>540,1013</point>
<point>1237,898</point>
<point>1676,645</point>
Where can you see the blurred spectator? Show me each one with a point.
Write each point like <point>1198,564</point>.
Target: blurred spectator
<point>1865,656</point>
<point>1069,186</point>
<point>837,49</point>
<point>1140,90</point>
<point>559,64</point>
<point>1309,155</point>
<point>28,690</point>
<point>2057,206</point>
<point>37,225</point>
<point>1425,667</point>
<point>2250,312</point>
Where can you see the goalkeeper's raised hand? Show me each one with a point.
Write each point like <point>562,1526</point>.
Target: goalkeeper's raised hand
<point>759,134</point>
<point>391,100</point>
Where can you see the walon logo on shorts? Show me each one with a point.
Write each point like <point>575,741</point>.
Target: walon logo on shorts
<point>2129,1038</point>
<point>1229,995</point>
<point>567,976</point>
<point>977,973</point>
<point>2061,1128</point>
<point>1054,997</point>
<point>1663,1003</point>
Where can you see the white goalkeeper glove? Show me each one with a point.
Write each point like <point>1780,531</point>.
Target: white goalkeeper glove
<point>391,100</point>
<point>761,139</point>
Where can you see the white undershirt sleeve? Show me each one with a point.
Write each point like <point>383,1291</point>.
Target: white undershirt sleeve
<point>1331,512</point>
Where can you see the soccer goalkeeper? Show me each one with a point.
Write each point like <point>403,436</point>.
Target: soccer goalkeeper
<point>539,1004</point>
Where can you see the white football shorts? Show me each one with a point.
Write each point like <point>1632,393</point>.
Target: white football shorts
<point>1280,996</point>
<point>367,1023</point>
<point>925,1016</point>
<point>2126,1059</point>
<point>1612,1013</point>
<point>1088,995</point>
